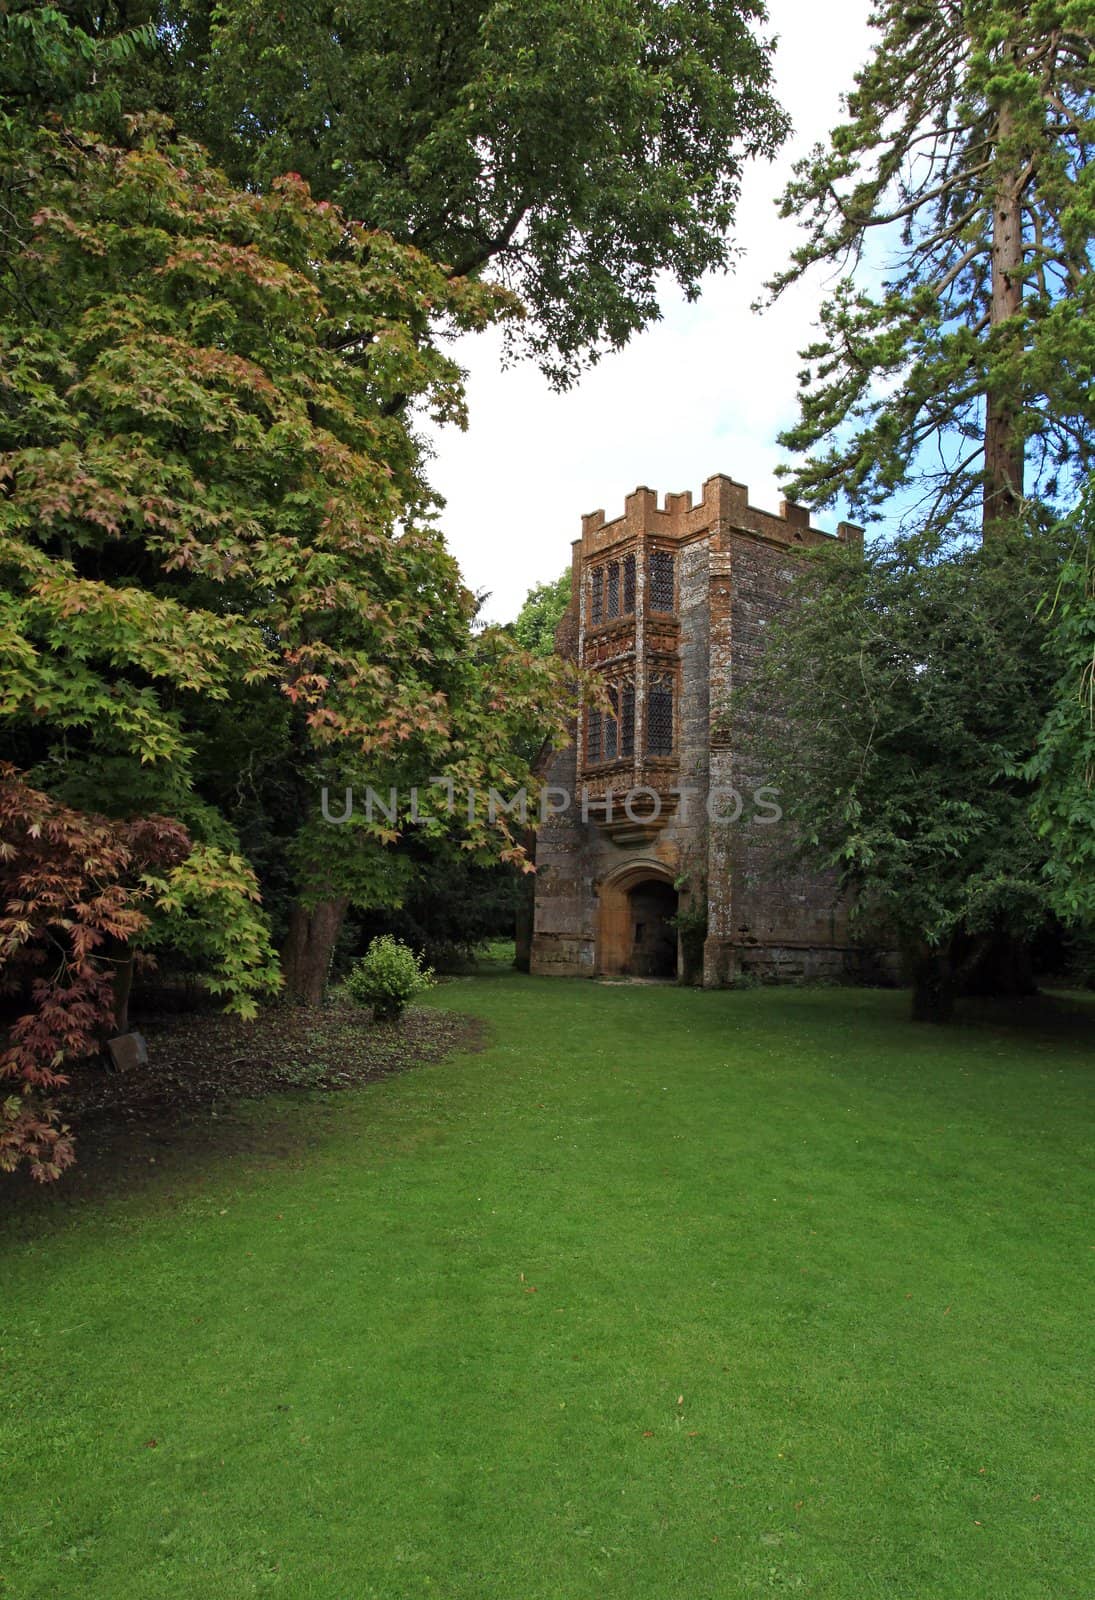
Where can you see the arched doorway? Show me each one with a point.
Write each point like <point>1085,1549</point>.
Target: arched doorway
<point>635,935</point>
<point>653,936</point>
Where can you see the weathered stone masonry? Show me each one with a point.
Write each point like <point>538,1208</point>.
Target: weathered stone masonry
<point>669,604</point>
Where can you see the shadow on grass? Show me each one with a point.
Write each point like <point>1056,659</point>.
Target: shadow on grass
<point>218,1092</point>
<point>1058,1014</point>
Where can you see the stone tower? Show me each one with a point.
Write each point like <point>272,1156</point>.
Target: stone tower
<point>669,604</point>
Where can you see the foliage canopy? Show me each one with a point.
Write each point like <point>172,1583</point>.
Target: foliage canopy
<point>541,613</point>
<point>576,148</point>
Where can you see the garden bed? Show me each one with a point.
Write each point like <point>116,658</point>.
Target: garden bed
<point>203,1060</point>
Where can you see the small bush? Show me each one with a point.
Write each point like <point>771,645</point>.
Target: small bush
<point>745,979</point>
<point>386,977</point>
<point>691,926</point>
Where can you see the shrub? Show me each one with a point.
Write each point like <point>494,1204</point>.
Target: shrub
<point>691,926</point>
<point>387,976</point>
<point>75,895</point>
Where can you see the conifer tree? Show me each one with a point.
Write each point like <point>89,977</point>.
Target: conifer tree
<point>957,348</point>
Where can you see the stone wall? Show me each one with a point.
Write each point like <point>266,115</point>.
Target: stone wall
<point>563,920</point>
<point>787,922</point>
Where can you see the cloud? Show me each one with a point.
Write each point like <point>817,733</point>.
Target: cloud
<point>705,390</point>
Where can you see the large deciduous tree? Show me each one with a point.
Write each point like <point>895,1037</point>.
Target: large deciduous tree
<point>576,149</point>
<point>957,348</point>
<point>208,493</point>
<point>895,708</point>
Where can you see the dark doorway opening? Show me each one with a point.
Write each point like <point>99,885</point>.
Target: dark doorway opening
<point>653,937</point>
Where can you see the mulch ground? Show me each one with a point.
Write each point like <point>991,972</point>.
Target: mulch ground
<point>205,1059</point>
<point>191,1109</point>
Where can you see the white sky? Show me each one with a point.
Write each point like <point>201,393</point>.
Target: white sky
<point>705,390</point>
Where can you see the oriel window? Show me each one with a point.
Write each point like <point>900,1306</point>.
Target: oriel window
<point>610,726</point>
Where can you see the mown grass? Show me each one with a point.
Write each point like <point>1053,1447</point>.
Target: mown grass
<point>664,1294</point>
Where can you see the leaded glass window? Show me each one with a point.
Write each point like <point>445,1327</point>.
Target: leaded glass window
<point>627,720</point>
<point>661,580</point>
<point>610,726</point>
<point>659,715</point>
<point>612,590</point>
<point>610,730</point>
<point>596,595</point>
<point>629,585</point>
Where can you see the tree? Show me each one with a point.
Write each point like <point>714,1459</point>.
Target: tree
<point>894,708</point>
<point>497,709</point>
<point>442,898</point>
<point>72,60</point>
<point>451,905</point>
<point>1062,765</point>
<point>208,491</point>
<point>541,614</point>
<point>957,349</point>
<point>575,148</point>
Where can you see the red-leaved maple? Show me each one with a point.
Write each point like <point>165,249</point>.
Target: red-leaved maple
<point>73,897</point>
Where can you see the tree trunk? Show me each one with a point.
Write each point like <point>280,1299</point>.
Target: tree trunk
<point>933,985</point>
<point>1003,415</point>
<point>309,949</point>
<point>123,983</point>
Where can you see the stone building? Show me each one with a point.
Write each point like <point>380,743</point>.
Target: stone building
<point>669,604</point>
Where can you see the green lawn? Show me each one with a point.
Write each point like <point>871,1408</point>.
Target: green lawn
<point>666,1293</point>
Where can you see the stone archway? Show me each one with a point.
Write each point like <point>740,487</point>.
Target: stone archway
<point>654,938</point>
<point>634,933</point>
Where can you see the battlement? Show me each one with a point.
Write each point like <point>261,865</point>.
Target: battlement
<point>724,503</point>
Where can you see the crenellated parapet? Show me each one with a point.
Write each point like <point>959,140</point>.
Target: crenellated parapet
<point>723,502</point>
